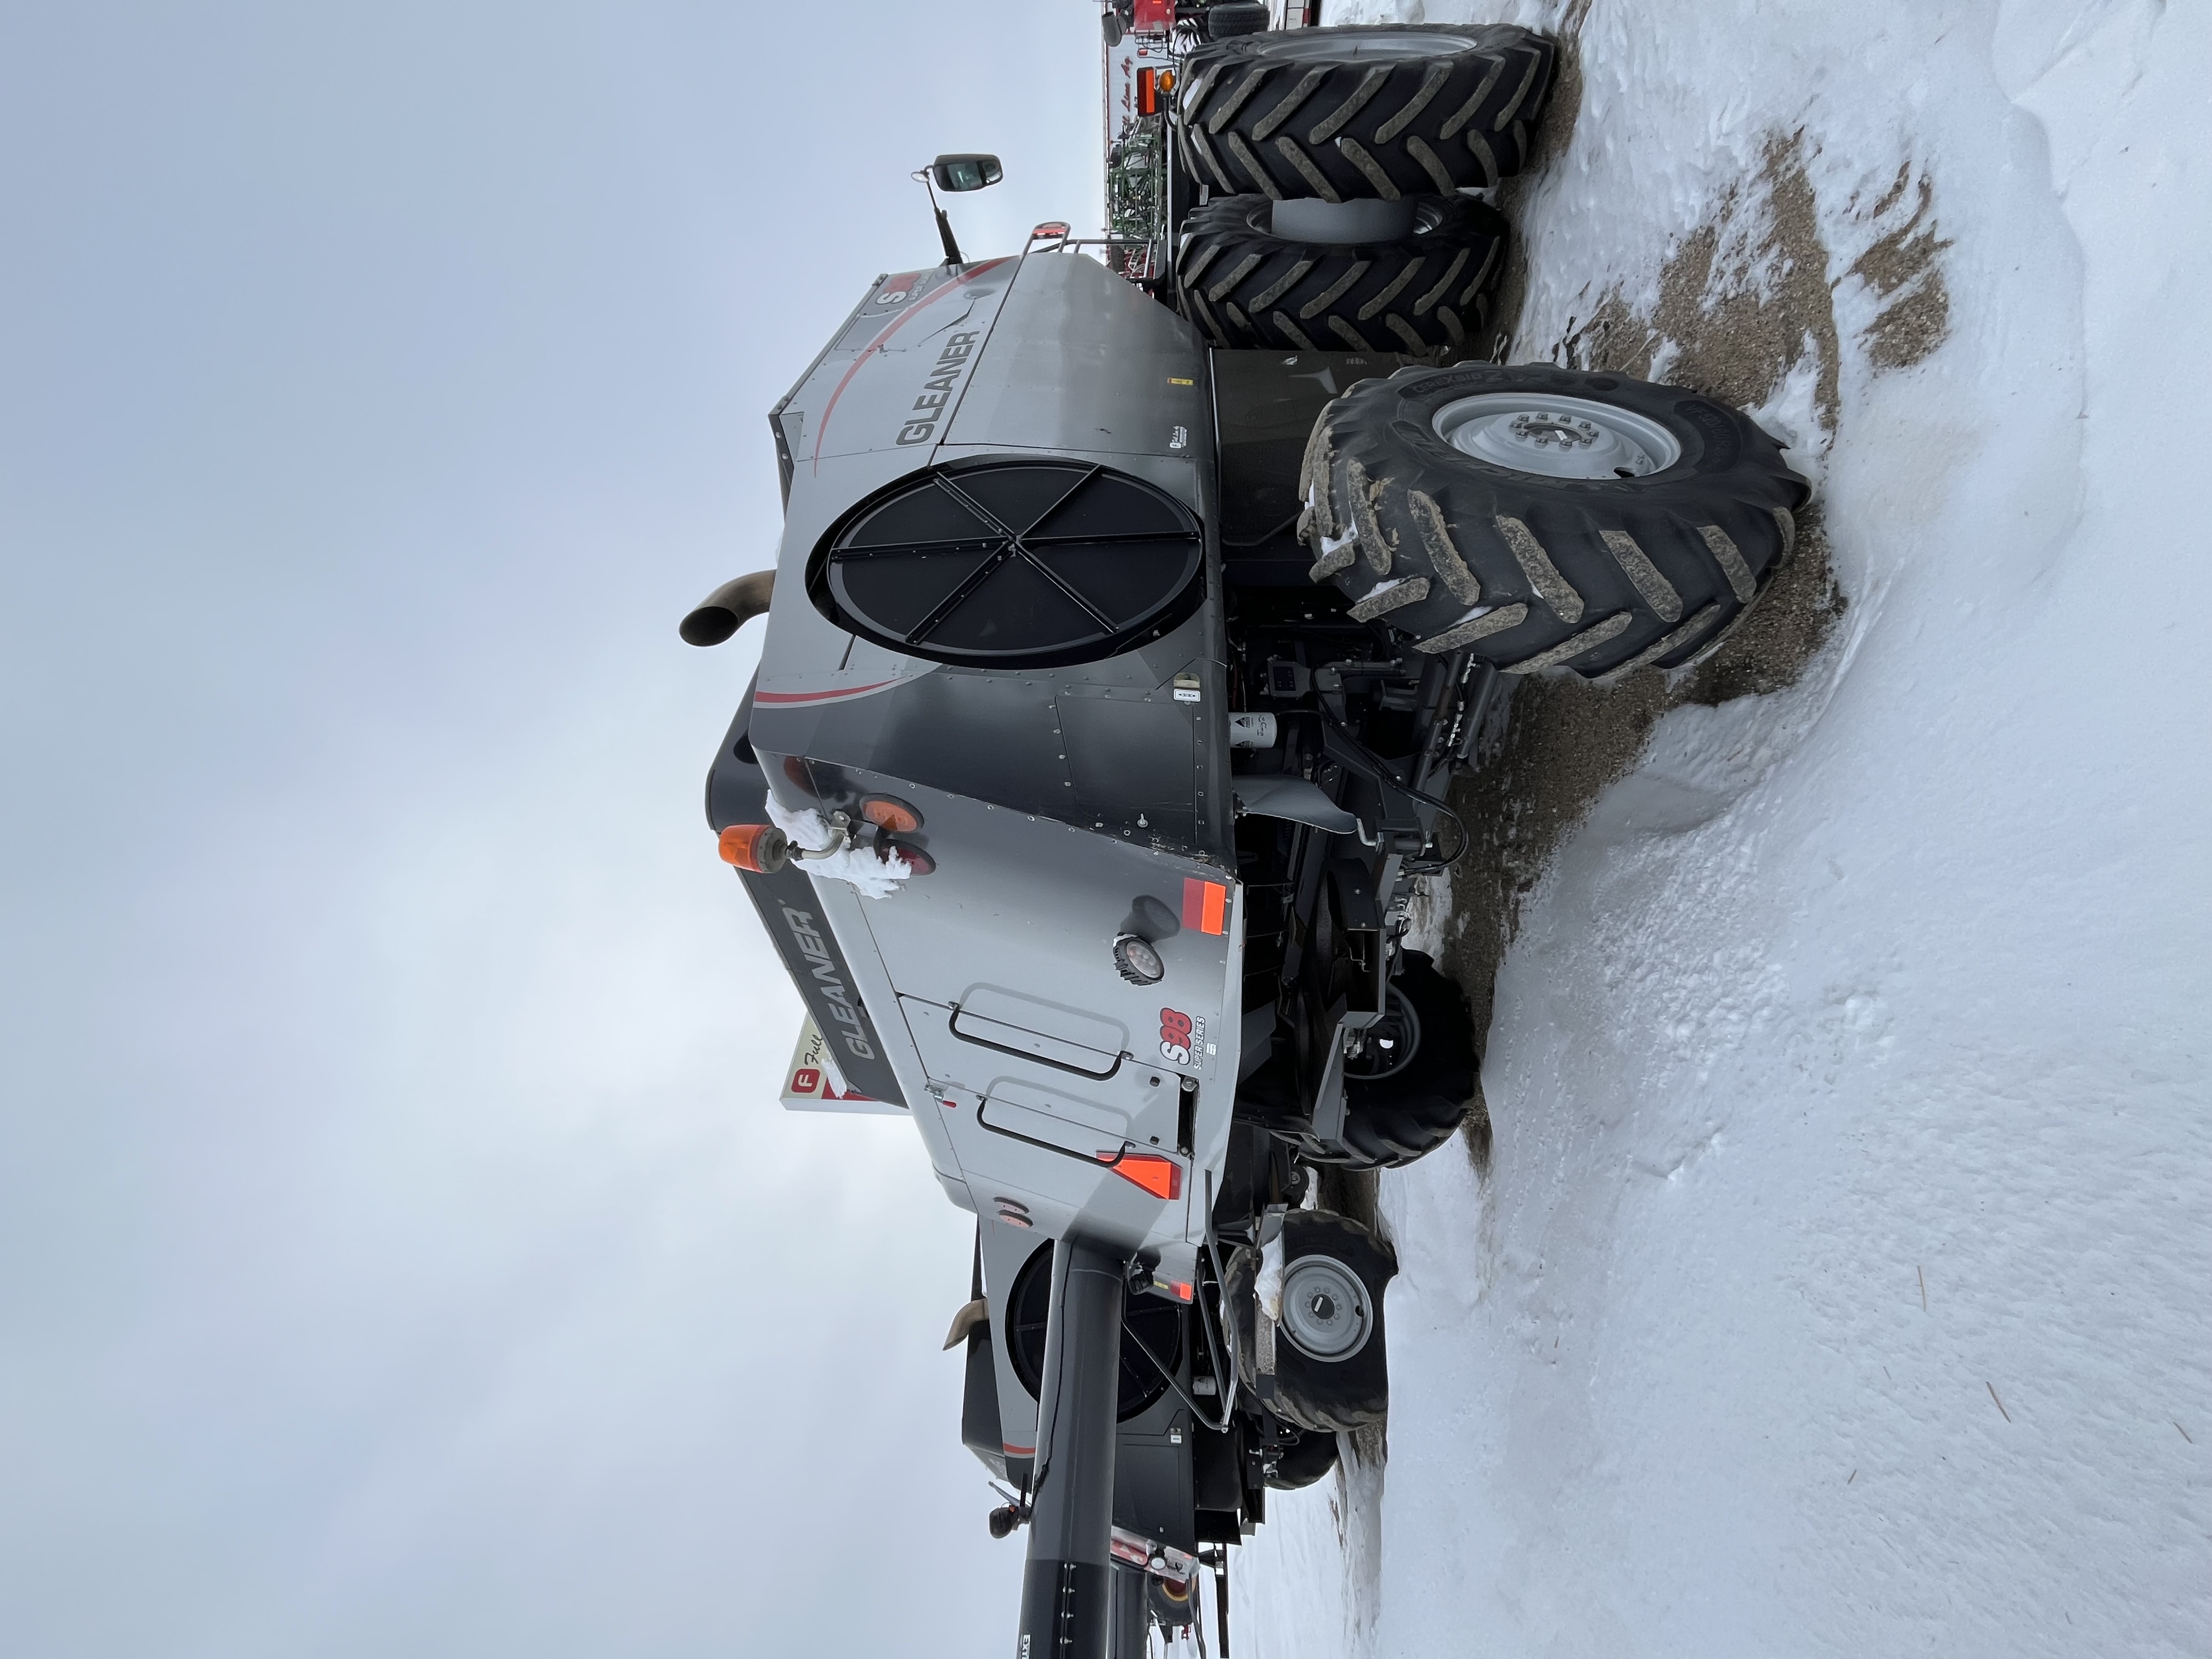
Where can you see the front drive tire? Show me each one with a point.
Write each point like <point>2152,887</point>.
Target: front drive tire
<point>1426,292</point>
<point>1320,1393</point>
<point>1385,110</point>
<point>1539,517</point>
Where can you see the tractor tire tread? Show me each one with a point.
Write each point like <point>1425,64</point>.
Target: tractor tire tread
<point>1363,296</point>
<point>1294,124</point>
<point>1605,576</point>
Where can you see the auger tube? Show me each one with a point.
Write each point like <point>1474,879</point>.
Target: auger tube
<point>1067,1585</point>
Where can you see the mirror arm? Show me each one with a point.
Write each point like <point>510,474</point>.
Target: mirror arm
<point>952,256</point>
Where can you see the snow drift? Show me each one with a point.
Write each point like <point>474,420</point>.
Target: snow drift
<point>1837,1282</point>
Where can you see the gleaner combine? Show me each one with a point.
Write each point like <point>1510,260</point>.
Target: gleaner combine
<point>1137,602</point>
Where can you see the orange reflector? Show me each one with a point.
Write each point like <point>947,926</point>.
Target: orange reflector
<point>1160,1176</point>
<point>1148,92</point>
<point>1181,1289</point>
<point>760,848</point>
<point>1205,905</point>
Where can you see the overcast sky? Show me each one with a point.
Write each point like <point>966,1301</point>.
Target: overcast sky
<point>402,1250</point>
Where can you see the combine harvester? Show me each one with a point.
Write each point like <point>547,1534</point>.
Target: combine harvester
<point>1139,599</point>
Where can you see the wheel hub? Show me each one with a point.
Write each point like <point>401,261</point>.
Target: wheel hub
<point>1557,437</point>
<point>1308,219</point>
<point>1387,1047</point>
<point>1562,429</point>
<point>1326,1313</point>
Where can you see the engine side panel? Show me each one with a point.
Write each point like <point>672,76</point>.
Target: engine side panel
<point>1082,361</point>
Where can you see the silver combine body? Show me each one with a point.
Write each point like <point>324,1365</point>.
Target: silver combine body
<point>1054,802</point>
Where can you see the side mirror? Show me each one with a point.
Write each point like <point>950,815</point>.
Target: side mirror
<point>956,173</point>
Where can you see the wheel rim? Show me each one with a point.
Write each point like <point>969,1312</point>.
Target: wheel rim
<point>1337,47</point>
<point>1326,1313</point>
<point>1345,224</point>
<point>1557,437</point>
<point>1389,1044</point>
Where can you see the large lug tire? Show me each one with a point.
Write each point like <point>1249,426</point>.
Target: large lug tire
<point>1390,1120</point>
<point>1424,292</point>
<point>1226,20</point>
<point>1168,1611</point>
<point>1304,1463</point>
<point>1321,1394</point>
<point>1385,110</point>
<point>1663,515</point>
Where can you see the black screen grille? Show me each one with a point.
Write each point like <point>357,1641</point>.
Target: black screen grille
<point>1014,564</point>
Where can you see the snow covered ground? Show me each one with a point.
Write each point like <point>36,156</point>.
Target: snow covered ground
<point>1839,1280</point>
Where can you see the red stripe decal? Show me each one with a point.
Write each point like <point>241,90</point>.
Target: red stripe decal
<point>819,696</point>
<point>876,344</point>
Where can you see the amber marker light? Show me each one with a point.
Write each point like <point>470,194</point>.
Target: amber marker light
<point>1205,905</point>
<point>1160,1176</point>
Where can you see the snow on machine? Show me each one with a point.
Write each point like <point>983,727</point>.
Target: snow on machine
<point>1132,617</point>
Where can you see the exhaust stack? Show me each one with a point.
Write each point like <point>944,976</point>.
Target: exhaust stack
<point>728,608</point>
